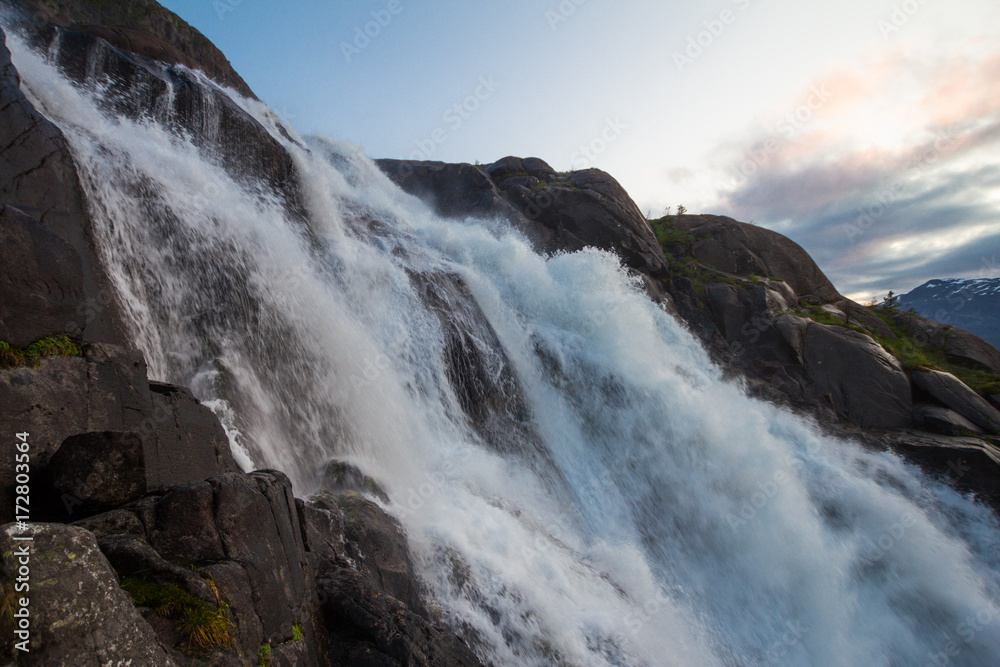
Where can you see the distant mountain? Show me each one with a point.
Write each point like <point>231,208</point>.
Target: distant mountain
<point>973,305</point>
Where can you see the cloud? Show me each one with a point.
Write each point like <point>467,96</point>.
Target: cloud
<point>887,173</point>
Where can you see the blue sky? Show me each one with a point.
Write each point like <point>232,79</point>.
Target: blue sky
<point>866,131</point>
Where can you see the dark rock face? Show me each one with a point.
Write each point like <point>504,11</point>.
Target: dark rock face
<point>970,464</point>
<point>372,629</point>
<point>368,589</point>
<point>244,536</point>
<point>936,419</point>
<point>864,384</point>
<point>145,28</point>
<point>952,392</point>
<point>453,190</point>
<point>555,211</point>
<point>39,177</point>
<point>107,390</point>
<point>41,280</point>
<point>79,615</point>
<point>741,249</point>
<point>348,526</point>
<point>135,86</point>
<point>101,470</point>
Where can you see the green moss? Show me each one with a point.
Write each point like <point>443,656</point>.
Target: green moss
<point>12,355</point>
<point>205,628</point>
<point>296,633</point>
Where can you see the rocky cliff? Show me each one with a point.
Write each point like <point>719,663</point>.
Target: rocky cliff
<point>149,545</point>
<point>153,548</point>
<point>763,308</point>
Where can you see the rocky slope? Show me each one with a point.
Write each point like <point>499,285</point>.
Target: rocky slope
<point>762,307</point>
<point>153,548</point>
<point>150,546</point>
<point>973,305</point>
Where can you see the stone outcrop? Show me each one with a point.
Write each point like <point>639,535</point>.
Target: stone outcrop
<point>41,279</point>
<point>143,27</point>
<point>556,211</point>
<point>953,393</point>
<point>864,384</point>
<point>39,178</point>
<point>106,390</point>
<point>79,615</point>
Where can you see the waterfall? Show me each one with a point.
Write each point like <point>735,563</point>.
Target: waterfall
<point>578,483</point>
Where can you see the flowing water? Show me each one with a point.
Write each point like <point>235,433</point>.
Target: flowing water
<point>613,501</point>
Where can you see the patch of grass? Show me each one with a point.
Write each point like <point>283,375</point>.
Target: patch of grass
<point>12,355</point>
<point>668,232</point>
<point>913,355</point>
<point>264,654</point>
<point>296,633</point>
<point>205,628</point>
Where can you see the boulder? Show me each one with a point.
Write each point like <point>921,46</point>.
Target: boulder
<point>185,440</point>
<point>79,615</point>
<point>343,476</point>
<point>99,471</point>
<point>41,279</point>
<point>956,395</point>
<point>862,382</point>
<point>452,190</point>
<point>968,463</point>
<point>741,249</point>
<point>936,419</point>
<point>368,628</point>
<point>237,538</point>
<point>106,390</point>
<point>348,526</point>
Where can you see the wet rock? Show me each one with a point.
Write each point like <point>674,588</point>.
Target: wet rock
<point>368,628</point>
<point>38,176</point>
<point>348,527</point>
<point>968,463</point>
<point>146,28</point>
<point>343,476</point>
<point>41,280</point>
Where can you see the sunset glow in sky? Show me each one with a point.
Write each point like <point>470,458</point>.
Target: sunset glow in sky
<point>866,131</point>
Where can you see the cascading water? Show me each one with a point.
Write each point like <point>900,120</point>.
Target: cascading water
<point>615,502</point>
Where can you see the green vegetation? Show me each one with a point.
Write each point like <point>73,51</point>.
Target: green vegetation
<point>913,353</point>
<point>296,633</point>
<point>12,355</point>
<point>205,628</point>
<point>667,232</point>
<point>265,655</point>
<point>917,355</point>
<point>683,264</point>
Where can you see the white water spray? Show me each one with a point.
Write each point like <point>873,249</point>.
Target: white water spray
<point>643,512</point>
